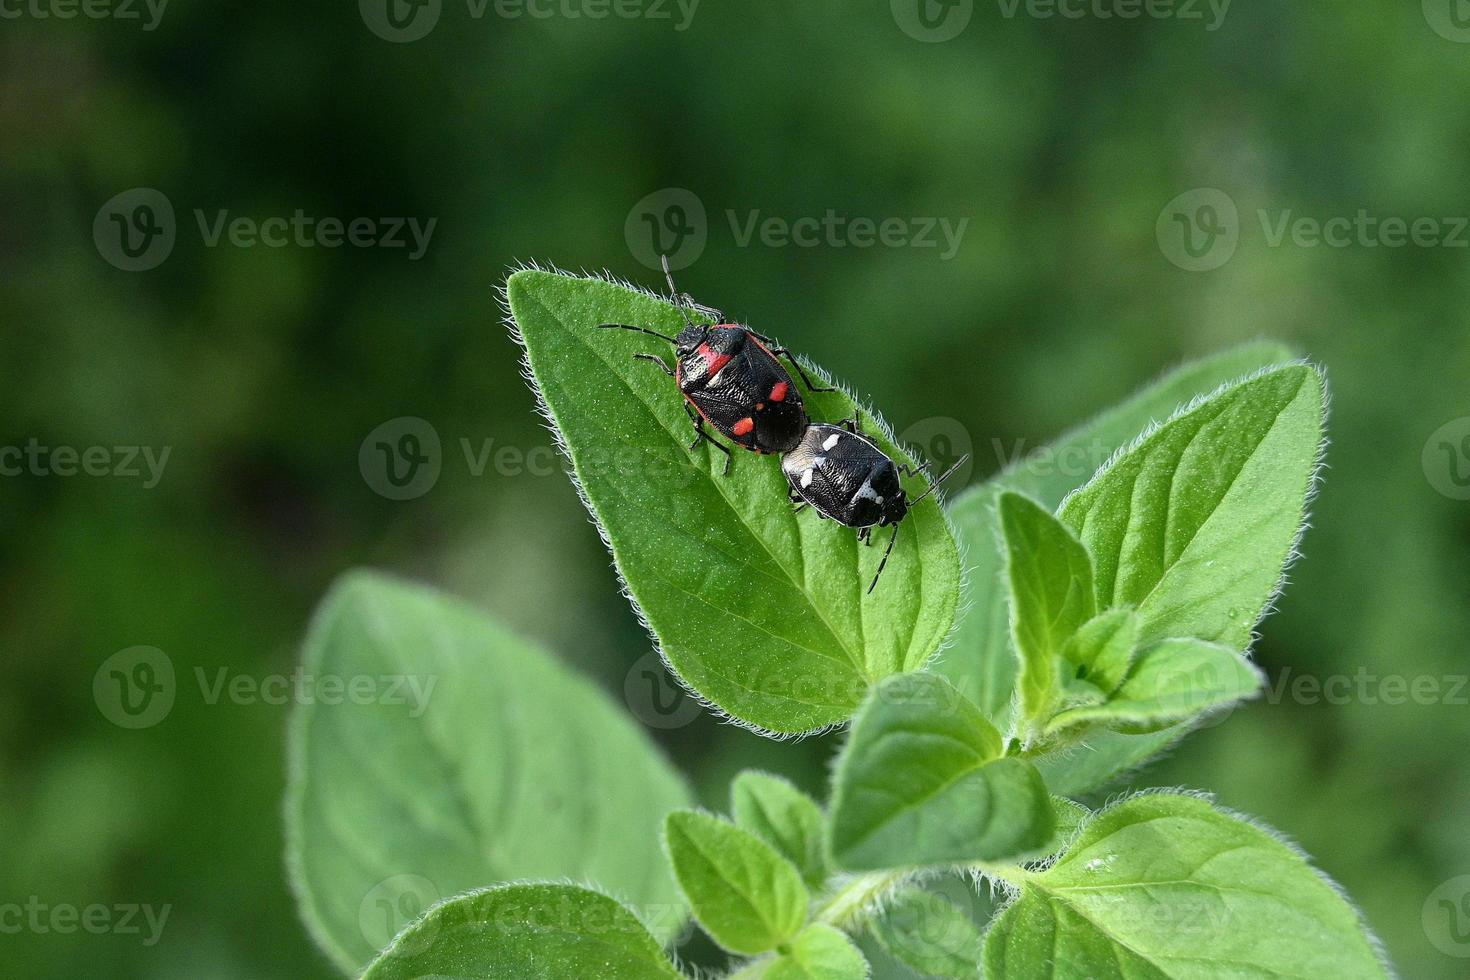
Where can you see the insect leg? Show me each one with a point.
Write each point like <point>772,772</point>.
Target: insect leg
<point>884,563</point>
<point>656,360</point>
<point>702,436</point>
<point>786,353</point>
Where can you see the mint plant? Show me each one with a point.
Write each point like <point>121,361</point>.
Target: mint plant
<point>1111,609</point>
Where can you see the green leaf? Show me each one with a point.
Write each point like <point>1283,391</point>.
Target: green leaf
<point>525,932</point>
<point>784,817</point>
<point>1103,648</point>
<point>762,610</point>
<point>929,934</point>
<point>509,766</point>
<point>1194,525</point>
<point>1168,886</point>
<point>1070,816</point>
<point>922,782</point>
<point>980,661</point>
<point>1174,680</point>
<point>1051,595</point>
<point>819,953</point>
<point>746,896</point>
<point>1078,768</point>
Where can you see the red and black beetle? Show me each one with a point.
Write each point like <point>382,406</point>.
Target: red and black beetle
<point>731,377</point>
<point>843,475</point>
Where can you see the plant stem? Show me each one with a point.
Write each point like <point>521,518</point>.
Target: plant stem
<point>845,908</point>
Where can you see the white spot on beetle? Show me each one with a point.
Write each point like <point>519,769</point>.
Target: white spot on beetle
<point>831,441</point>
<point>806,479</point>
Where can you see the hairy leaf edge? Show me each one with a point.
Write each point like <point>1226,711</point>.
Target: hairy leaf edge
<point>549,418</point>
<point>1375,945</point>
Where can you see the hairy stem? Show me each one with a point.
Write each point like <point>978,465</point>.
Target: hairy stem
<point>847,907</point>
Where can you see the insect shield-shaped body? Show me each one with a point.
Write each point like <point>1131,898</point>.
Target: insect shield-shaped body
<point>732,380</point>
<point>843,475</point>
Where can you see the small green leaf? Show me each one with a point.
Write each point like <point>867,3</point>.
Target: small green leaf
<point>1070,816</point>
<point>483,760</point>
<point>746,896</point>
<point>1075,769</point>
<point>1103,648</point>
<point>525,932</point>
<point>980,661</point>
<point>922,782</point>
<point>1194,525</point>
<point>930,934</point>
<point>1051,595</point>
<point>762,610</point>
<point>819,953</point>
<point>1168,886</point>
<point>1173,681</point>
<point>784,817</point>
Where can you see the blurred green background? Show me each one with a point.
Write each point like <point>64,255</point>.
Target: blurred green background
<point>1060,141</point>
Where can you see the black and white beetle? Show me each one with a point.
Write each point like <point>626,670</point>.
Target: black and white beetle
<point>844,476</point>
<point>730,376</point>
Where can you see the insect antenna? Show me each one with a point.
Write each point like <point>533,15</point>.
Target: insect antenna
<point>935,485</point>
<point>628,326</point>
<point>882,564</point>
<point>680,300</point>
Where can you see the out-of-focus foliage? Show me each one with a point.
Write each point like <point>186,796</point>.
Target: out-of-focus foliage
<point>263,370</point>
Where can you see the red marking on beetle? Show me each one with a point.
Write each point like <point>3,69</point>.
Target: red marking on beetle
<point>712,361</point>
<point>743,427</point>
<point>778,393</point>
